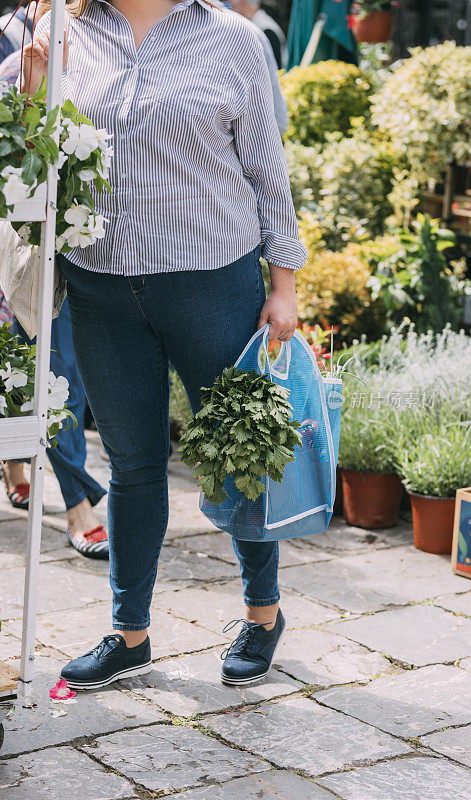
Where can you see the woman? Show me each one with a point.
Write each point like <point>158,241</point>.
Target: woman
<point>199,188</point>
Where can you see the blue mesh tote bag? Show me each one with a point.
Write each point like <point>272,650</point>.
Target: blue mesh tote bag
<point>302,503</point>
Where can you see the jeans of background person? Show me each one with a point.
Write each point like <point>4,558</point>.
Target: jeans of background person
<point>126,330</point>
<point>68,457</point>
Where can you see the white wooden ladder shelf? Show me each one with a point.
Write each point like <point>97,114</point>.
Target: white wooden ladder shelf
<point>26,436</point>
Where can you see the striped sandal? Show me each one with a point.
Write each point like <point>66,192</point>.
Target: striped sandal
<point>92,544</point>
<point>18,495</point>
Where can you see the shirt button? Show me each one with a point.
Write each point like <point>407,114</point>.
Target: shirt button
<point>152,38</point>
<point>125,213</point>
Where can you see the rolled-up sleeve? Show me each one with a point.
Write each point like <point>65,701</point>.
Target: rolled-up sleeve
<point>260,151</point>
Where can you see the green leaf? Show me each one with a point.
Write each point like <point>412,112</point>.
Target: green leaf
<point>5,113</point>
<point>32,165</point>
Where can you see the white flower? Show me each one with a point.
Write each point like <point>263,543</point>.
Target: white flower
<point>96,226</point>
<point>27,406</point>
<point>106,157</point>
<point>14,189</point>
<point>77,215</point>
<point>102,136</point>
<point>13,378</point>
<point>82,141</point>
<point>24,232</point>
<point>3,405</point>
<point>87,174</point>
<point>62,159</point>
<point>58,392</point>
<point>78,237</point>
<point>60,242</point>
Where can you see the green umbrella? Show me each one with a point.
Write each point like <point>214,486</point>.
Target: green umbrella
<point>336,40</point>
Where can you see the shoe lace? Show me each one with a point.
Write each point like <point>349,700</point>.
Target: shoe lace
<point>244,638</point>
<point>105,645</point>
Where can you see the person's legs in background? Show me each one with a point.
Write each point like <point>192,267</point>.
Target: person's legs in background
<point>79,489</point>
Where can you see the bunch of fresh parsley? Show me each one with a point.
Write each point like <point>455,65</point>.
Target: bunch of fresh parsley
<point>244,429</point>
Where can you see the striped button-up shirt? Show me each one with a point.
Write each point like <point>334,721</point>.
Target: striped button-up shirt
<point>198,176</point>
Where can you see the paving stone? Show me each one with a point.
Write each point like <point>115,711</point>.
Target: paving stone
<point>78,630</point>
<point>273,785</point>
<point>60,773</point>
<point>408,704</point>
<point>93,713</point>
<point>418,635</point>
<point>177,564</point>
<point>323,659</point>
<point>408,779</point>
<point>60,588</point>
<point>217,604</point>
<point>169,757</point>
<point>454,743</point>
<point>191,685</point>
<point>458,603</point>
<point>219,544</point>
<point>344,538</point>
<point>185,517</point>
<point>372,581</point>
<point>301,734</point>
<point>13,542</point>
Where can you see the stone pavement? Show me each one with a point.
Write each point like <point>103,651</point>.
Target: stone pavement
<point>369,699</point>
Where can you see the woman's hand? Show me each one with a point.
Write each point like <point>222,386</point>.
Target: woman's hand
<point>280,308</point>
<point>36,60</point>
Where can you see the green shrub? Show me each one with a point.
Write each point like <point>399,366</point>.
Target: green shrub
<point>424,108</point>
<point>345,184</point>
<point>323,98</point>
<point>180,411</point>
<point>415,281</point>
<point>356,177</point>
<point>332,287</point>
<point>437,463</point>
<point>418,396</point>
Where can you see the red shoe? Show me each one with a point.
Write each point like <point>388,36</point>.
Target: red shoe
<point>93,544</point>
<point>18,495</point>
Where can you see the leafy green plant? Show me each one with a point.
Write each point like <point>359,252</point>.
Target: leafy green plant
<point>367,435</point>
<point>179,407</point>
<point>244,429</point>
<point>27,148</point>
<point>332,288</point>
<point>423,107</point>
<point>17,372</point>
<point>373,60</point>
<point>416,281</point>
<point>323,98</point>
<point>356,176</point>
<point>364,8</point>
<point>438,462</point>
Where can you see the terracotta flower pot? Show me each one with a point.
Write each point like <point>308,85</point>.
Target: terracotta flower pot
<point>371,499</point>
<point>376,27</point>
<point>432,519</point>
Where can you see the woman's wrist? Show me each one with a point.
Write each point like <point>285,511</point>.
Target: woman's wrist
<point>282,279</point>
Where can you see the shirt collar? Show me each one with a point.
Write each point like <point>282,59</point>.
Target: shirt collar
<point>182,3</point>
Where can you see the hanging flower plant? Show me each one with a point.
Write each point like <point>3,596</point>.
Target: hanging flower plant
<point>17,371</point>
<point>27,148</point>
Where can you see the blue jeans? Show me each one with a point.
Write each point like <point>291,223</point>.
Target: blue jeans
<point>68,457</point>
<point>125,331</point>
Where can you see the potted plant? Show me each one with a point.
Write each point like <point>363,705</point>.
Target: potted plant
<point>27,148</point>
<point>372,490</point>
<point>434,465</point>
<point>371,20</point>
<point>17,371</point>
